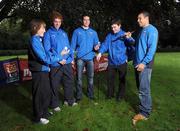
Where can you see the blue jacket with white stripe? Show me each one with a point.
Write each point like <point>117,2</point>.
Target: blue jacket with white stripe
<point>55,40</point>
<point>115,45</point>
<point>83,41</point>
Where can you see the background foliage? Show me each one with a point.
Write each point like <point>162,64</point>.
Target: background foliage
<point>15,16</point>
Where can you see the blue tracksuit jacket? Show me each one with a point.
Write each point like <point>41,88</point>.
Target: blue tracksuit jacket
<point>146,44</point>
<point>115,45</point>
<point>55,41</point>
<point>83,41</point>
<point>40,54</point>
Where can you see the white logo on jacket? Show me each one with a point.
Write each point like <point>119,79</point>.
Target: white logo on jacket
<point>64,34</point>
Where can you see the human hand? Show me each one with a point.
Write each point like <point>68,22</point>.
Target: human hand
<point>98,57</point>
<point>73,64</point>
<point>97,46</point>
<point>63,62</point>
<point>140,67</point>
<point>128,34</point>
<point>65,51</point>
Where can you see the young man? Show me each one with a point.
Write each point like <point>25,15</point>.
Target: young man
<point>115,44</point>
<point>145,50</point>
<point>55,41</point>
<point>38,65</point>
<point>85,41</point>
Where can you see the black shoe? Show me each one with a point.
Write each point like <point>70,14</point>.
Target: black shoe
<point>91,98</point>
<point>119,98</point>
<point>49,114</point>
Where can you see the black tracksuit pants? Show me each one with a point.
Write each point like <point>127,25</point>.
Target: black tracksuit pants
<point>41,93</point>
<point>122,70</point>
<point>62,74</point>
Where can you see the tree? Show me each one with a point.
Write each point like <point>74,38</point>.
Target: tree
<point>101,12</point>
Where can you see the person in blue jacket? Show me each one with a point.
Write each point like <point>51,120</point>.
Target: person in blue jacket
<point>84,42</point>
<point>56,40</point>
<point>116,45</point>
<point>39,66</point>
<point>146,45</point>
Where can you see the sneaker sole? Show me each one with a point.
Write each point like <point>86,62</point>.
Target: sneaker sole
<point>135,121</point>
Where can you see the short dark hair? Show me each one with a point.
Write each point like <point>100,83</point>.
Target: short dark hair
<point>145,13</point>
<point>116,21</point>
<point>84,15</point>
<point>35,25</point>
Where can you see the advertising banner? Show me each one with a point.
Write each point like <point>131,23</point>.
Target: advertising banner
<point>9,71</point>
<point>25,73</point>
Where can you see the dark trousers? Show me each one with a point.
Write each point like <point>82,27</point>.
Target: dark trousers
<point>122,70</point>
<point>41,93</point>
<point>62,74</point>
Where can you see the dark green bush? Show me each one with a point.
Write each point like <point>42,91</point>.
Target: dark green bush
<point>13,40</point>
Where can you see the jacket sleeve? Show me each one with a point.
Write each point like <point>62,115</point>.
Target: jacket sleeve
<point>151,46</point>
<point>96,39</point>
<point>129,41</point>
<point>41,54</point>
<point>48,49</point>
<point>70,55</point>
<point>104,46</point>
<point>74,41</point>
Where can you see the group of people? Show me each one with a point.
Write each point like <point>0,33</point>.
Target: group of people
<point>51,57</point>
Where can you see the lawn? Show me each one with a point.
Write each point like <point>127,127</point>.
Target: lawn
<point>107,115</point>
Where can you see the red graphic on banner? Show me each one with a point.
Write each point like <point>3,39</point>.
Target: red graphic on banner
<point>12,71</point>
<point>98,65</point>
<point>24,70</point>
<point>101,65</point>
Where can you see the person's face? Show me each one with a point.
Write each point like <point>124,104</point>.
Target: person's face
<point>41,31</point>
<point>142,20</point>
<point>57,23</point>
<point>115,28</point>
<point>86,21</point>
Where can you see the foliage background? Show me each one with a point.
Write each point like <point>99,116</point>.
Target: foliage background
<point>15,16</point>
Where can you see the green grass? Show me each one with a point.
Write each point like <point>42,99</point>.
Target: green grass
<point>108,115</point>
<point>9,57</point>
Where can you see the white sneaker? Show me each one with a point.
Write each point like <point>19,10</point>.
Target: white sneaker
<point>66,103</point>
<point>44,121</point>
<point>57,109</point>
<point>74,104</point>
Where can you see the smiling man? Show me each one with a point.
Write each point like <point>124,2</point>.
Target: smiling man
<point>116,46</point>
<point>84,41</point>
<point>146,44</point>
<point>56,41</point>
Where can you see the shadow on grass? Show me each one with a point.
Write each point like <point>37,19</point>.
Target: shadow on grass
<point>131,96</point>
<point>18,97</point>
<point>132,99</point>
<point>100,82</point>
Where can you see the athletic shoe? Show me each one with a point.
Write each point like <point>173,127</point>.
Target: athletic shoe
<point>43,121</point>
<point>66,103</point>
<point>49,114</point>
<point>57,109</point>
<point>74,104</point>
<point>138,117</point>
